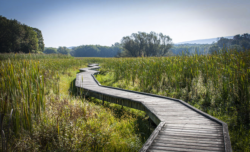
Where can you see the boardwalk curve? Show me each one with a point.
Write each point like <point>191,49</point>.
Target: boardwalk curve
<point>181,127</point>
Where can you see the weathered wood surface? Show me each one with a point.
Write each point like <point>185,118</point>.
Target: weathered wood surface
<point>181,127</point>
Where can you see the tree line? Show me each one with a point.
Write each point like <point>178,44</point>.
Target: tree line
<point>239,43</point>
<point>86,50</point>
<point>179,49</point>
<point>95,51</point>
<point>16,37</point>
<point>60,50</point>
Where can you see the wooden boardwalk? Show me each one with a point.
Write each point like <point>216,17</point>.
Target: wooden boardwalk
<point>181,127</point>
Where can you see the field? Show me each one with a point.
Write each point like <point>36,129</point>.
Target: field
<point>217,84</point>
<point>41,112</point>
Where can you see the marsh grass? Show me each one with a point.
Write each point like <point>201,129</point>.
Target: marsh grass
<point>49,117</point>
<point>218,84</point>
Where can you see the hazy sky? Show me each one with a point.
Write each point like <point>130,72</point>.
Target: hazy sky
<point>104,22</point>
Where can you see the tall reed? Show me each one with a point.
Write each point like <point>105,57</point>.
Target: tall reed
<point>225,77</point>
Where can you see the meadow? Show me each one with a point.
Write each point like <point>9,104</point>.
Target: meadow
<point>218,84</point>
<point>41,112</point>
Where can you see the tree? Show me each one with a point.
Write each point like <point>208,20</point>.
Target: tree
<point>95,51</point>
<point>63,50</point>
<point>245,44</point>
<point>30,42</point>
<point>236,47</point>
<point>40,39</point>
<point>145,44</point>
<point>50,50</point>
<point>238,41</point>
<point>223,42</point>
<point>17,37</point>
<point>214,48</point>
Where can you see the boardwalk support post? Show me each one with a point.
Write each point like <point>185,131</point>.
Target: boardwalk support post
<point>102,99</point>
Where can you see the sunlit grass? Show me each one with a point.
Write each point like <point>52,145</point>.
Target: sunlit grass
<point>48,116</point>
<point>217,84</point>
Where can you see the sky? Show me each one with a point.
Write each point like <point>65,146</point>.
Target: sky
<point>104,22</point>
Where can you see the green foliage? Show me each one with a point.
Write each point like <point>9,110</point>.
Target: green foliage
<point>239,42</point>
<point>50,50</point>
<point>33,56</point>
<point>47,118</point>
<point>214,48</point>
<point>40,39</point>
<point>187,49</point>
<point>145,44</point>
<point>63,50</point>
<point>17,37</point>
<point>217,84</point>
<point>95,51</point>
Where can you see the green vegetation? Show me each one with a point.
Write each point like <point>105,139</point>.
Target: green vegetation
<point>60,50</point>
<point>178,49</point>
<point>96,51</point>
<point>145,44</point>
<point>239,42</point>
<point>17,37</point>
<point>33,56</point>
<point>217,84</point>
<point>50,50</point>
<point>40,112</point>
<point>63,50</point>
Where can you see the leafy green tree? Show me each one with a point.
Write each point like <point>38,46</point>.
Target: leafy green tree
<point>187,49</point>
<point>17,37</point>
<point>63,50</point>
<point>50,50</point>
<point>95,51</point>
<point>40,39</point>
<point>224,42</point>
<point>30,41</point>
<point>145,44</point>
<point>214,48</point>
<point>239,40</point>
<point>236,47</point>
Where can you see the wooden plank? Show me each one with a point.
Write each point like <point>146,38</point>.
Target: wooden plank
<point>187,146</point>
<point>154,100</point>
<point>177,115</point>
<point>193,125</point>
<point>175,112</point>
<point>193,130</point>
<point>164,139</point>
<point>184,118</point>
<point>201,122</point>
<point>195,136</point>
<point>189,139</point>
<point>192,133</point>
<point>188,122</point>
<point>160,149</point>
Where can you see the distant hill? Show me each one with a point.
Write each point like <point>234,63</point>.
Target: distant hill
<point>203,41</point>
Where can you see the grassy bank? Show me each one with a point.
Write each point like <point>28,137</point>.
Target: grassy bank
<point>40,112</point>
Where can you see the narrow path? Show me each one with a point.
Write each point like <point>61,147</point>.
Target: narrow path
<point>181,127</point>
